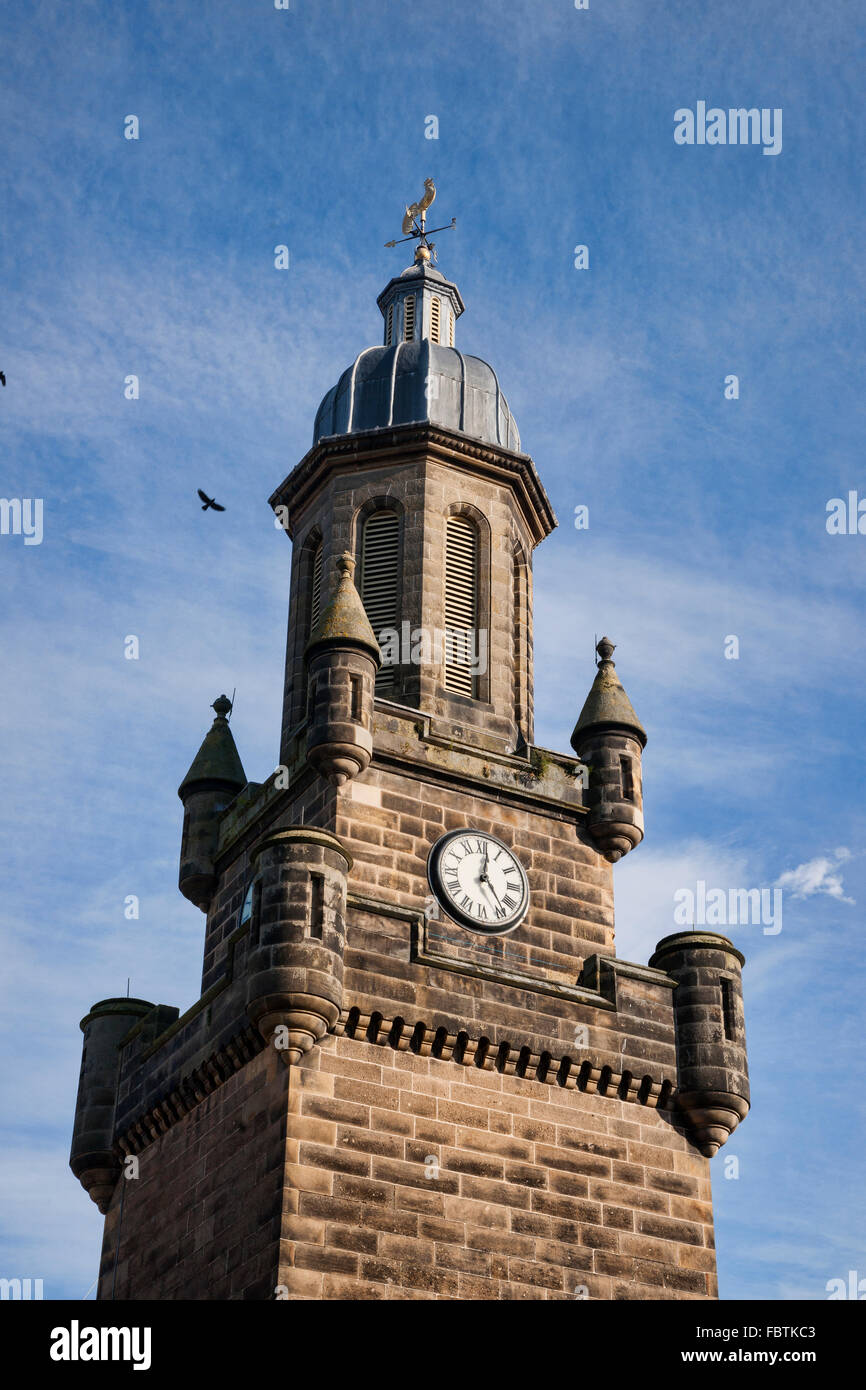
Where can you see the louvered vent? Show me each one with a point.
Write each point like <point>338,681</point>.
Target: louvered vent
<point>461,604</point>
<point>389,334</point>
<point>380,557</point>
<point>435,308</point>
<point>450,330</point>
<point>316,587</point>
<point>409,318</point>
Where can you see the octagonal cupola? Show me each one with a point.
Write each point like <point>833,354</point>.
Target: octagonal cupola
<point>420,305</point>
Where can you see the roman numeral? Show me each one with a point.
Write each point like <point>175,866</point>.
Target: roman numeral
<point>509,902</point>
<point>482,913</point>
<point>466,846</point>
<point>466,903</point>
<point>500,912</point>
<point>479,846</point>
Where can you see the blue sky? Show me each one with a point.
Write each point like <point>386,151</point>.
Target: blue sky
<point>707,516</point>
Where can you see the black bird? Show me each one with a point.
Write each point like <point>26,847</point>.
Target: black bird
<point>209,502</point>
<point>2,378</point>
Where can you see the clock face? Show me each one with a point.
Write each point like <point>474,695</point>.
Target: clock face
<point>478,881</point>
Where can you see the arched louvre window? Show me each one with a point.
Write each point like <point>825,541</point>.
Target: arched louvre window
<point>389,336</point>
<point>520,632</point>
<point>435,315</point>
<point>409,318</point>
<point>380,575</point>
<point>316,586</point>
<point>461,604</point>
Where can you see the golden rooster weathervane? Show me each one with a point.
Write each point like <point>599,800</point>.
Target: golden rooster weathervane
<point>414,225</point>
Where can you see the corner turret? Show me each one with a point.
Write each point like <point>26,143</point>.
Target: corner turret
<point>213,781</point>
<point>297,938</point>
<point>342,659</point>
<point>712,1072</point>
<point>93,1159</point>
<point>610,739</point>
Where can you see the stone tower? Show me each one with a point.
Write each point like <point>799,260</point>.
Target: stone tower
<point>417,1068</point>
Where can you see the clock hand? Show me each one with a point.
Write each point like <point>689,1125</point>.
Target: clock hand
<point>492,890</point>
<point>482,877</point>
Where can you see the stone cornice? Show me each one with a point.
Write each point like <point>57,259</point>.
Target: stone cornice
<point>587,1073</point>
<point>190,1091</point>
<point>406,443</point>
<point>538,777</point>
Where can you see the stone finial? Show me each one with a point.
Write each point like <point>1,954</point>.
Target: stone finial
<point>607,706</point>
<point>344,620</point>
<point>222,705</point>
<point>217,760</point>
<point>606,649</point>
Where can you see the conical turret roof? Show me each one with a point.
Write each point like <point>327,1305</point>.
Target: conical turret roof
<point>218,759</point>
<point>607,705</point>
<point>344,618</point>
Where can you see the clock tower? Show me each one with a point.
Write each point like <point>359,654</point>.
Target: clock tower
<point>417,1068</point>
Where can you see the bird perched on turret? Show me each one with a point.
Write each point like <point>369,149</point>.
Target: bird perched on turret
<point>419,209</point>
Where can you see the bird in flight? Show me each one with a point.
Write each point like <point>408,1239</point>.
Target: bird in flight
<point>209,502</point>
<point>2,378</point>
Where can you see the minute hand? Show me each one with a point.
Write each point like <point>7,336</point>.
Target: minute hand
<point>493,891</point>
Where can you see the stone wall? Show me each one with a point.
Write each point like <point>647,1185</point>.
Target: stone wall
<point>203,1218</point>
<point>410,1177</point>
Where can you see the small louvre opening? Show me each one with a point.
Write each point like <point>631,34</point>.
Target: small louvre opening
<point>256,912</point>
<point>627,779</point>
<point>246,907</point>
<point>389,331</point>
<point>379,579</point>
<point>316,586</point>
<point>409,318</point>
<point>317,903</point>
<point>461,604</point>
<point>728,1013</point>
<point>450,330</point>
<point>435,307</point>
<point>357,708</point>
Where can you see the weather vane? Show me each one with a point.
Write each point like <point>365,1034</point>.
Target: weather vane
<point>414,225</point>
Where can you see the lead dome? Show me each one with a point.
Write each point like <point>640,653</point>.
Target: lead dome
<point>418,375</point>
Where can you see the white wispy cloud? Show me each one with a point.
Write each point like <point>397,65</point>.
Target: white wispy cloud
<point>817,876</point>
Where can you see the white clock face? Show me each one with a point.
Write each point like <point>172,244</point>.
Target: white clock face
<point>478,881</point>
